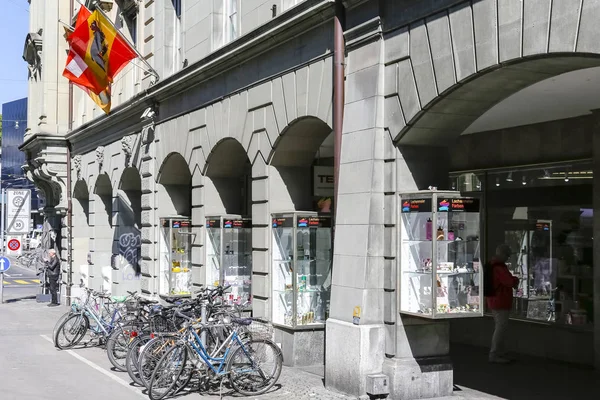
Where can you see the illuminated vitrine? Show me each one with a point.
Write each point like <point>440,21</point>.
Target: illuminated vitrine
<point>441,274</point>
<point>301,268</point>
<point>175,244</point>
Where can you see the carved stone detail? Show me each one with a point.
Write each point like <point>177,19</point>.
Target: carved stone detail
<point>32,54</point>
<point>100,157</point>
<point>77,165</point>
<point>127,147</point>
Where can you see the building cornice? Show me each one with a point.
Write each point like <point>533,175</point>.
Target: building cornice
<point>285,27</point>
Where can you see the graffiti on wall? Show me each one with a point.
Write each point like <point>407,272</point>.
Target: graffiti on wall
<point>130,244</point>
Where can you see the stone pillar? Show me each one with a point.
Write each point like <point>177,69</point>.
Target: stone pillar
<point>149,235</point>
<point>596,269</point>
<point>417,349</point>
<point>261,231</point>
<point>355,351</point>
<point>198,228</point>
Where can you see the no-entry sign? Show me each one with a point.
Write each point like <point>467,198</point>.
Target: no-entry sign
<point>14,244</point>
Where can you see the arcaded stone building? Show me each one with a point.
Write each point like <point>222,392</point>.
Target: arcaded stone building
<point>222,170</point>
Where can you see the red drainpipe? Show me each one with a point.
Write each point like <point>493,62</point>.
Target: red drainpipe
<point>338,97</point>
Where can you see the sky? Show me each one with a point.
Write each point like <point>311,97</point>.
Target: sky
<point>14,26</point>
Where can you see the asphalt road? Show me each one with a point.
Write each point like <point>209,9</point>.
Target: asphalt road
<point>20,282</point>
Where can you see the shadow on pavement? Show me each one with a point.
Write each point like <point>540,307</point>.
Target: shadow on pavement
<point>525,379</point>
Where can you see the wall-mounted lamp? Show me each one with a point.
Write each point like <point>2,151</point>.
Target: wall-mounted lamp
<point>566,176</point>
<point>509,177</point>
<point>524,181</point>
<point>497,181</point>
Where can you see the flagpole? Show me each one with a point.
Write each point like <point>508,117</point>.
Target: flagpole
<point>142,59</point>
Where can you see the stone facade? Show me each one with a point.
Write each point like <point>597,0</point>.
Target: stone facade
<point>249,112</point>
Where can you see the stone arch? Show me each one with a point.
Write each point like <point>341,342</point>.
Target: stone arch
<point>294,154</point>
<point>229,185</point>
<point>101,216</point>
<point>174,189</point>
<point>127,242</point>
<point>445,71</point>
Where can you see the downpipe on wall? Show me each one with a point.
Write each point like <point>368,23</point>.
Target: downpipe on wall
<point>338,102</point>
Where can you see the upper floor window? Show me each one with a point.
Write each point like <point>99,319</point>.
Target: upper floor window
<point>231,20</point>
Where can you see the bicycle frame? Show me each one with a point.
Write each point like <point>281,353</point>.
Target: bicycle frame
<point>100,321</point>
<point>195,342</point>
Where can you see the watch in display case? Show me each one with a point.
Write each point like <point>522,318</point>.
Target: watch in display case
<point>440,268</point>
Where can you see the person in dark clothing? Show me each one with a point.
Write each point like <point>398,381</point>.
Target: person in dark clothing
<point>500,303</point>
<point>53,272</point>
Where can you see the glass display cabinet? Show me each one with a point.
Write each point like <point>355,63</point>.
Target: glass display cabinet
<point>440,271</point>
<point>229,256</point>
<point>301,264</point>
<point>175,256</point>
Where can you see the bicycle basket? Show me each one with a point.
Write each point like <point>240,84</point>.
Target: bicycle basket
<point>260,329</point>
<point>158,323</point>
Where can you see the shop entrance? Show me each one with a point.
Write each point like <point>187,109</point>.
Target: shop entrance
<point>174,191</point>
<point>228,204</point>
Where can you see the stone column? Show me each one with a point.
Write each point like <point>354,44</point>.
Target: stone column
<point>355,351</point>
<point>596,269</point>
<point>149,263</point>
<point>261,231</point>
<point>198,228</point>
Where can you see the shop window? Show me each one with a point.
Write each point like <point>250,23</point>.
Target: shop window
<point>545,214</point>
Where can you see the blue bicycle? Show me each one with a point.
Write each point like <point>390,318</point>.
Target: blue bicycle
<point>252,362</point>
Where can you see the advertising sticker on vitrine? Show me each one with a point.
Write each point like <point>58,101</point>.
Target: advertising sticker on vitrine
<point>416,205</point>
<point>465,205</point>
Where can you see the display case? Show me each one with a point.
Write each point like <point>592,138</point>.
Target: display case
<point>229,256</point>
<point>301,264</point>
<point>175,244</point>
<point>440,270</point>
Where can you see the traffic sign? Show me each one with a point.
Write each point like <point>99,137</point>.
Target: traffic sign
<point>14,244</point>
<point>4,264</point>
<point>18,210</point>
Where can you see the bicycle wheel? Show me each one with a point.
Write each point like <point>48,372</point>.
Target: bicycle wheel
<point>255,367</point>
<point>133,354</point>
<point>60,321</point>
<point>151,355</point>
<point>117,345</point>
<point>167,372</point>
<point>73,329</point>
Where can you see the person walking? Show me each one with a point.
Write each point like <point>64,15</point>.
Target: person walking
<point>499,297</point>
<point>52,264</point>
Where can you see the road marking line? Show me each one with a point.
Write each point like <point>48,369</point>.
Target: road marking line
<point>6,283</point>
<point>35,280</point>
<point>22,282</point>
<point>99,369</point>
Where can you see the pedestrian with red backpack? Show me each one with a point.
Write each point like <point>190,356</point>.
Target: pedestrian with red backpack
<point>498,290</point>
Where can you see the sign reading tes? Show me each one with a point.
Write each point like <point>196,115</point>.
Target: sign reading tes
<point>323,181</point>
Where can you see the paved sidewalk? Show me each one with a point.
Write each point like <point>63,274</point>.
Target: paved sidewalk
<point>34,370</point>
